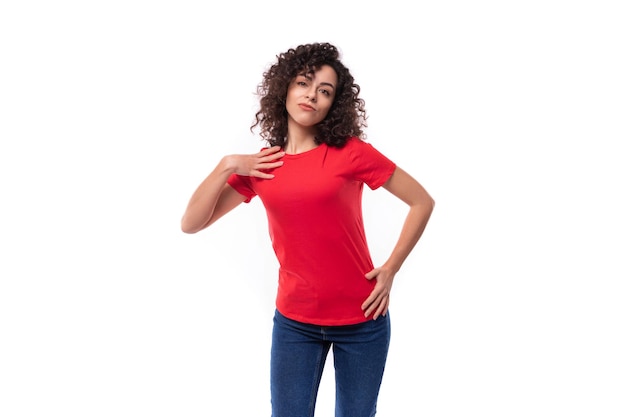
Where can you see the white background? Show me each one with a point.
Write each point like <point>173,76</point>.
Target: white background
<point>512,115</point>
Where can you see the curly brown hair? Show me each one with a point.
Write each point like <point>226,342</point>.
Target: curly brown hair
<point>346,117</point>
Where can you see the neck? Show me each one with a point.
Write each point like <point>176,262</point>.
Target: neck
<point>299,141</point>
<point>293,147</point>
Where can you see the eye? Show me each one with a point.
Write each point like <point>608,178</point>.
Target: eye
<point>301,81</point>
<point>325,91</point>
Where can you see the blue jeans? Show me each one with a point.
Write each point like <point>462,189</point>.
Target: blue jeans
<point>298,356</point>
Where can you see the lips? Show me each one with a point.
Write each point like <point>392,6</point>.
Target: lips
<point>306,107</point>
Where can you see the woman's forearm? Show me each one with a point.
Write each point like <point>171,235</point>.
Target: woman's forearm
<point>202,203</point>
<point>412,230</point>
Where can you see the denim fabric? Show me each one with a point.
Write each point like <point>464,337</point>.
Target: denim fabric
<point>298,356</point>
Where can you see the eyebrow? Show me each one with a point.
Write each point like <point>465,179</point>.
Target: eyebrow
<point>308,77</point>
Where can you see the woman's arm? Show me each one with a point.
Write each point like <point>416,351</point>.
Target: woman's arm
<point>214,197</point>
<point>421,205</point>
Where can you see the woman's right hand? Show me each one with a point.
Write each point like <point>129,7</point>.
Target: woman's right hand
<point>256,164</point>
<point>214,197</point>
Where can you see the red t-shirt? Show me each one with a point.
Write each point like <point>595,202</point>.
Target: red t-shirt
<point>315,220</point>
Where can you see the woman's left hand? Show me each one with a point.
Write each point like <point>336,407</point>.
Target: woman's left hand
<point>378,301</point>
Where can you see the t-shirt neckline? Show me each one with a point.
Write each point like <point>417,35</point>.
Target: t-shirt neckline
<point>305,153</point>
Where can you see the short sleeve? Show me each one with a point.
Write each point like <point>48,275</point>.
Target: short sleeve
<point>369,165</point>
<point>242,185</point>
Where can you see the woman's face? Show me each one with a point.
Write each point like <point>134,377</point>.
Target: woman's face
<point>310,96</point>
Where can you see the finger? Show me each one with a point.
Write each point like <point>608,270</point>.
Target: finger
<point>373,273</point>
<point>366,304</point>
<point>269,165</point>
<point>260,170</point>
<point>372,302</point>
<point>382,308</point>
<point>261,174</point>
<point>271,158</point>
<point>378,298</point>
<point>372,310</point>
<point>270,151</point>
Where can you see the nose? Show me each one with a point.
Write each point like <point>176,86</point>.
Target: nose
<point>312,94</point>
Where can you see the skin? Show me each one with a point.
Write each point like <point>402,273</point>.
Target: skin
<point>309,98</point>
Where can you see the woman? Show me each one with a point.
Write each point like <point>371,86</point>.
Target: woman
<point>310,179</point>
